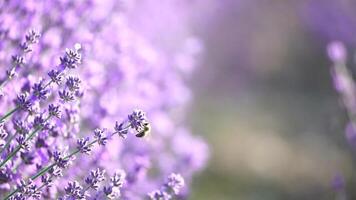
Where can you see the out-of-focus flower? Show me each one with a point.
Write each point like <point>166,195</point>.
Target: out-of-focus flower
<point>56,98</point>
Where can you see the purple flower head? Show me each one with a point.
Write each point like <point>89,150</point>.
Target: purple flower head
<point>83,145</point>
<point>54,110</point>
<point>159,195</point>
<point>39,121</point>
<point>22,102</point>
<point>66,95</point>
<point>46,180</point>
<point>5,175</point>
<point>170,189</point>
<point>28,188</point>
<point>32,36</point>
<point>40,91</point>
<point>24,145</point>
<point>3,133</point>
<point>100,136</point>
<point>60,159</point>
<point>71,59</point>
<point>73,83</point>
<point>174,183</point>
<point>56,76</point>
<point>138,121</point>
<point>74,191</point>
<point>118,178</point>
<point>17,60</point>
<point>94,178</point>
<point>120,129</point>
<point>21,127</point>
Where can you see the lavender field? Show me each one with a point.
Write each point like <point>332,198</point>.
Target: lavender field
<point>177,99</point>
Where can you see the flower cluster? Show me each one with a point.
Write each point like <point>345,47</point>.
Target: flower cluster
<point>170,189</point>
<point>52,96</point>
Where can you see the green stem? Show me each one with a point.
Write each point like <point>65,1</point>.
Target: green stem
<point>18,148</point>
<point>12,154</point>
<point>8,143</point>
<point>8,114</point>
<point>49,167</point>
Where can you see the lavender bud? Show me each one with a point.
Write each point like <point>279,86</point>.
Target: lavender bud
<point>32,36</point>
<point>20,127</point>
<point>175,183</point>
<point>46,180</point>
<point>6,175</point>
<point>159,195</point>
<point>118,178</point>
<point>73,83</point>
<point>108,191</point>
<point>3,133</point>
<point>83,145</point>
<point>74,190</point>
<point>22,102</point>
<point>66,96</point>
<point>59,159</point>
<point>11,73</point>
<point>54,111</point>
<point>24,145</point>
<point>120,129</point>
<point>18,196</point>
<point>94,178</point>
<point>138,121</point>
<point>40,91</point>
<point>56,171</point>
<point>39,121</point>
<point>56,76</point>
<point>18,60</point>
<point>99,135</point>
<point>71,59</point>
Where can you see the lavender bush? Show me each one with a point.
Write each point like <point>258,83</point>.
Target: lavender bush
<point>73,74</point>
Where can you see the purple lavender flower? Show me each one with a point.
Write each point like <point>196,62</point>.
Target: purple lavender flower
<point>18,61</point>
<point>120,72</point>
<point>66,95</point>
<point>74,191</point>
<point>39,121</point>
<point>60,159</point>
<point>83,145</point>
<point>24,145</point>
<point>171,188</point>
<point>40,91</point>
<point>21,127</point>
<point>175,183</point>
<point>32,36</point>
<point>120,129</point>
<point>56,76</point>
<point>99,135</point>
<point>138,121</point>
<point>94,178</point>
<point>54,110</point>
<point>73,83</point>
<point>22,102</point>
<point>159,195</point>
<point>71,58</point>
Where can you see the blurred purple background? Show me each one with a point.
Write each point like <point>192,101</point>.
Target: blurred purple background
<point>265,101</point>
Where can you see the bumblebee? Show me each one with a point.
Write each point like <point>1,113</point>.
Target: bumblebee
<point>145,130</point>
